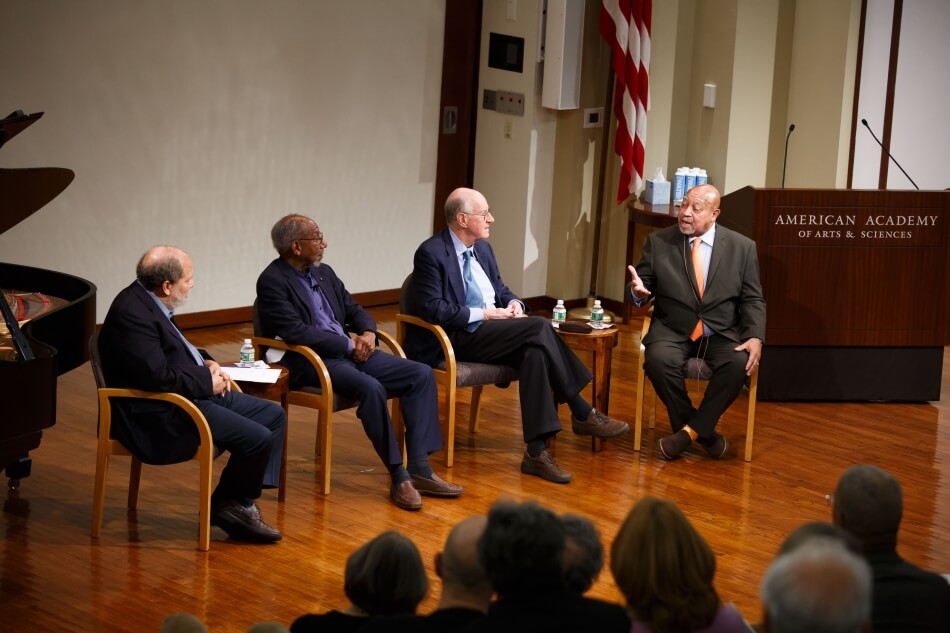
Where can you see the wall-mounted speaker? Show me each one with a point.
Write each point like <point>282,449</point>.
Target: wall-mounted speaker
<point>563,45</point>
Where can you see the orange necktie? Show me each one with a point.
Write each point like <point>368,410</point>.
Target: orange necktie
<point>698,270</point>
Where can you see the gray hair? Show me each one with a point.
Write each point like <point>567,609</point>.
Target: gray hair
<point>158,265</point>
<point>288,229</point>
<point>820,587</point>
<point>457,204</point>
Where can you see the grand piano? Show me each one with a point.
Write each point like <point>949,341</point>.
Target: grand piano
<point>47,316</point>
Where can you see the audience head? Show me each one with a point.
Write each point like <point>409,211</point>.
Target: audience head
<point>521,549</point>
<point>818,529</point>
<point>664,568</point>
<point>166,272</point>
<point>385,576</point>
<point>583,553</point>
<point>463,577</point>
<point>868,503</point>
<point>183,623</point>
<point>296,236</point>
<point>819,587</point>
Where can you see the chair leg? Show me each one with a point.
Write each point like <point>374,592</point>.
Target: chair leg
<point>448,425</point>
<point>324,433</point>
<point>99,493</point>
<point>135,476</point>
<point>399,428</point>
<point>638,423</point>
<point>750,424</point>
<point>204,501</point>
<point>476,407</point>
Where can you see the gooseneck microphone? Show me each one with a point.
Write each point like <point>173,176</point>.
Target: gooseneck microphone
<point>791,128</point>
<point>864,122</point>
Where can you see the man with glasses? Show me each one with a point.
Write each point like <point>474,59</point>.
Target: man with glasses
<point>457,285</point>
<point>302,301</point>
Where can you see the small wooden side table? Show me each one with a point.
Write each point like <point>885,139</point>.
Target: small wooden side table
<point>276,391</point>
<point>601,343</point>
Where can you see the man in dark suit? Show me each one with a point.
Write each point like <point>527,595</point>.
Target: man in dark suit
<point>707,303</point>
<point>302,301</point>
<point>456,284</point>
<point>868,503</point>
<point>142,348</point>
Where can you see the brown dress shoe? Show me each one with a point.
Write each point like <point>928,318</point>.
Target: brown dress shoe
<point>672,445</point>
<point>243,523</point>
<point>544,467</point>
<point>435,486</point>
<point>599,425</point>
<point>405,496</point>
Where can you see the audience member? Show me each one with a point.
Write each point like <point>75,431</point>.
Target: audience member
<point>142,348</point>
<point>522,551</point>
<point>665,570</point>
<point>707,304</point>
<point>383,577</point>
<point>818,529</point>
<point>868,503</point>
<point>819,587</point>
<point>302,301</point>
<point>583,553</point>
<point>456,284</point>
<point>466,591</point>
<point>183,623</point>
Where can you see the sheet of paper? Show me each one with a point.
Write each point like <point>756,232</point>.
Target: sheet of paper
<point>260,372</point>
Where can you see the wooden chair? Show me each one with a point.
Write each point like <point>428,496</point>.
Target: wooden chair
<point>696,369</point>
<point>453,375</point>
<point>108,447</point>
<point>322,397</point>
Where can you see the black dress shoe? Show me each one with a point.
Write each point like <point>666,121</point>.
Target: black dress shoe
<point>435,486</point>
<point>599,425</point>
<point>405,496</point>
<point>243,523</point>
<point>672,445</point>
<point>716,446</point>
<point>544,467</point>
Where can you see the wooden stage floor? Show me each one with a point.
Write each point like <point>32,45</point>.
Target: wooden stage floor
<point>146,565</point>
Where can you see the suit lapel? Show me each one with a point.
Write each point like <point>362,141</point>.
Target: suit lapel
<point>452,268</point>
<point>720,248</point>
<point>296,289</point>
<point>171,331</point>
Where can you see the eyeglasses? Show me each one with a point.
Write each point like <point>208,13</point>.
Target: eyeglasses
<point>483,214</point>
<point>318,238</point>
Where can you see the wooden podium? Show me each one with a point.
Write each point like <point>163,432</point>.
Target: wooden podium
<point>857,287</point>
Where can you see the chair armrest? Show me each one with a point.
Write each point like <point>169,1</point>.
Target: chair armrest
<point>436,330</point>
<point>201,424</point>
<point>390,341</point>
<point>323,374</point>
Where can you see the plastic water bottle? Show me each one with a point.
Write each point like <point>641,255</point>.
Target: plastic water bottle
<point>691,177</point>
<point>597,312</point>
<point>701,177</point>
<point>247,354</point>
<point>559,313</point>
<point>679,184</point>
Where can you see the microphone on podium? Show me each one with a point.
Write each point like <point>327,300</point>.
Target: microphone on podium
<point>864,122</point>
<point>791,128</point>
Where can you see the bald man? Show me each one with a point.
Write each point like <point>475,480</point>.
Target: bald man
<point>456,284</point>
<point>703,280</point>
<point>142,348</point>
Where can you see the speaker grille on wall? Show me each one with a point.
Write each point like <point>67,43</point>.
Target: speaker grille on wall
<point>563,45</point>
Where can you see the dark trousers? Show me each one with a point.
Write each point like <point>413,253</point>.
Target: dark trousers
<point>372,383</point>
<point>665,361</point>
<point>252,430</point>
<point>545,366</point>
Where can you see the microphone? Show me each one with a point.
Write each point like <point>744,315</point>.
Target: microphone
<point>864,122</point>
<point>791,128</point>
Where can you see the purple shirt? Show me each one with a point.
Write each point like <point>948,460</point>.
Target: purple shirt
<point>727,620</point>
<point>320,307</point>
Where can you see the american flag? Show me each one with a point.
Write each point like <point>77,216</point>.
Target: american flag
<point>625,24</point>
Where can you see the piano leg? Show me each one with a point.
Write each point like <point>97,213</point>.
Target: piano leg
<point>17,471</point>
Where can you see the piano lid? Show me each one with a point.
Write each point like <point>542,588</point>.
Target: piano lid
<point>24,191</point>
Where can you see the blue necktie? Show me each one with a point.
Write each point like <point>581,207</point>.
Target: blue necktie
<point>473,296</point>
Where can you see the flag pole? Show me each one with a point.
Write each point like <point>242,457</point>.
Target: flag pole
<point>583,313</point>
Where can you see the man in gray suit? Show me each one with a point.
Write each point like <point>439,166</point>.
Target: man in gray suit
<point>707,303</point>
